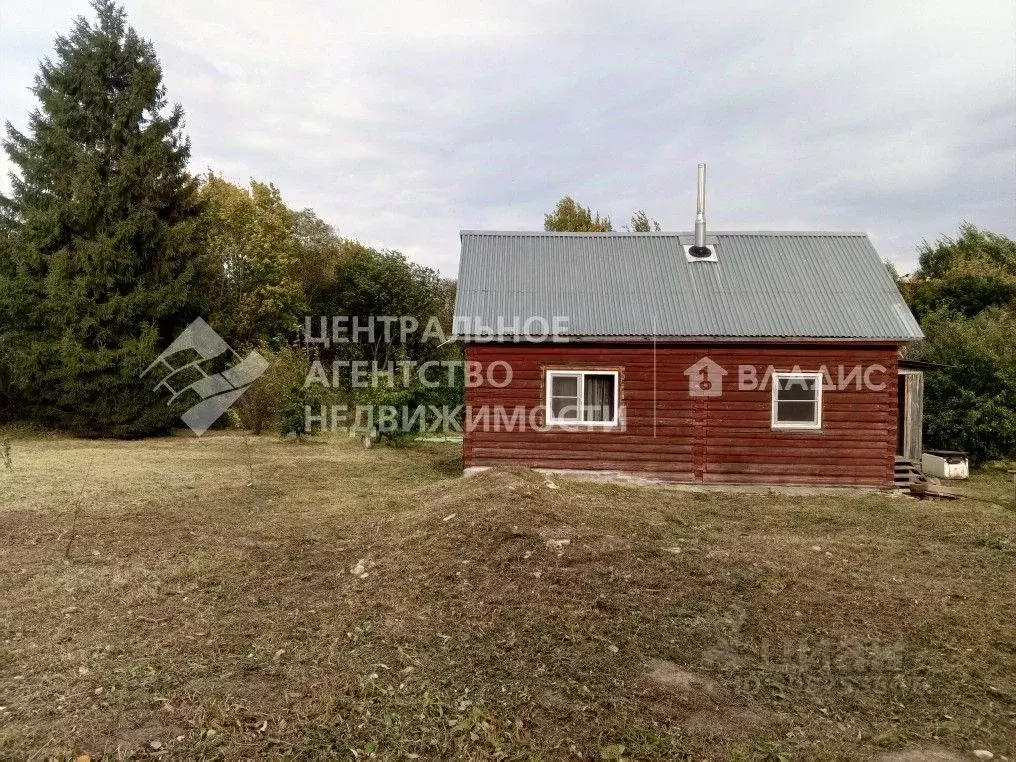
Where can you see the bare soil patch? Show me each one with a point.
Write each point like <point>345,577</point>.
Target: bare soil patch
<point>923,755</point>
<point>684,682</point>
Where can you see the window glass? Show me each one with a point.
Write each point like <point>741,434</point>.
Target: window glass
<point>796,400</point>
<point>795,412</point>
<point>565,386</point>
<point>582,397</point>
<point>564,397</point>
<point>797,388</point>
<point>598,397</point>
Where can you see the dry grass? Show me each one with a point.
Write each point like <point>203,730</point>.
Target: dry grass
<point>198,617</point>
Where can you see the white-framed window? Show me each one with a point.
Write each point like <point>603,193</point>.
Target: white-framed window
<point>797,400</point>
<point>582,397</point>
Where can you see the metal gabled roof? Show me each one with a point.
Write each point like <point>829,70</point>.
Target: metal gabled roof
<point>781,285</point>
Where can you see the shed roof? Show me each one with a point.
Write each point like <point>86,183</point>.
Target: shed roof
<point>781,285</point>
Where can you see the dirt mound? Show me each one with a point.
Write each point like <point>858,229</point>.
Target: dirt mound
<point>509,519</point>
<point>506,542</point>
<point>502,484</point>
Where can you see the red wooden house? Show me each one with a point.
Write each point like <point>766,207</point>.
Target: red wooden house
<point>734,358</point>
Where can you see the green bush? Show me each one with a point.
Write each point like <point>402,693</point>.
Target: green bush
<point>441,394</point>
<point>971,404</point>
<point>278,399</point>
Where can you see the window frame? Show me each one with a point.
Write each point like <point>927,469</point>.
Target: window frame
<point>778,425</point>
<point>552,373</point>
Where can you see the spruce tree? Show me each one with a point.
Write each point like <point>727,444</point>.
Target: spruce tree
<point>99,241</point>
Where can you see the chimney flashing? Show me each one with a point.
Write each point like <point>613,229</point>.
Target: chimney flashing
<point>705,253</point>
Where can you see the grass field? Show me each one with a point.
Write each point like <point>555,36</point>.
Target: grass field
<point>243,598</point>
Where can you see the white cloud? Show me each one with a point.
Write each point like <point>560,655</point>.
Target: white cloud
<point>402,123</point>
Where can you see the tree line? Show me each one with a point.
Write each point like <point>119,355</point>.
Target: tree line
<point>110,247</point>
<point>964,296</point>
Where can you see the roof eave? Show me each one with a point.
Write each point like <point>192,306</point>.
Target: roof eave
<point>633,339</point>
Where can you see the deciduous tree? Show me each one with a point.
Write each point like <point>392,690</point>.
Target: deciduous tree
<point>569,216</point>
<point>965,275</point>
<point>964,295</point>
<point>970,403</point>
<point>251,233</point>
<point>641,223</point>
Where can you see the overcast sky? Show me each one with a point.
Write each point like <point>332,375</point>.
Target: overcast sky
<point>403,122</point>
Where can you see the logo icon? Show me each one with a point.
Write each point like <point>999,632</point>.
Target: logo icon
<point>705,378</point>
<point>218,391</point>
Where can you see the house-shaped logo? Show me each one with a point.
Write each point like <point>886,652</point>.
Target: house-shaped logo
<point>705,379</point>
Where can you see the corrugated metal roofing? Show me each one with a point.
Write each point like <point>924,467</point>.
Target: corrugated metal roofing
<point>764,285</point>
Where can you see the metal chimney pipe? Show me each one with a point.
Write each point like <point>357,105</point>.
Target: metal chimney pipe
<point>700,209</point>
